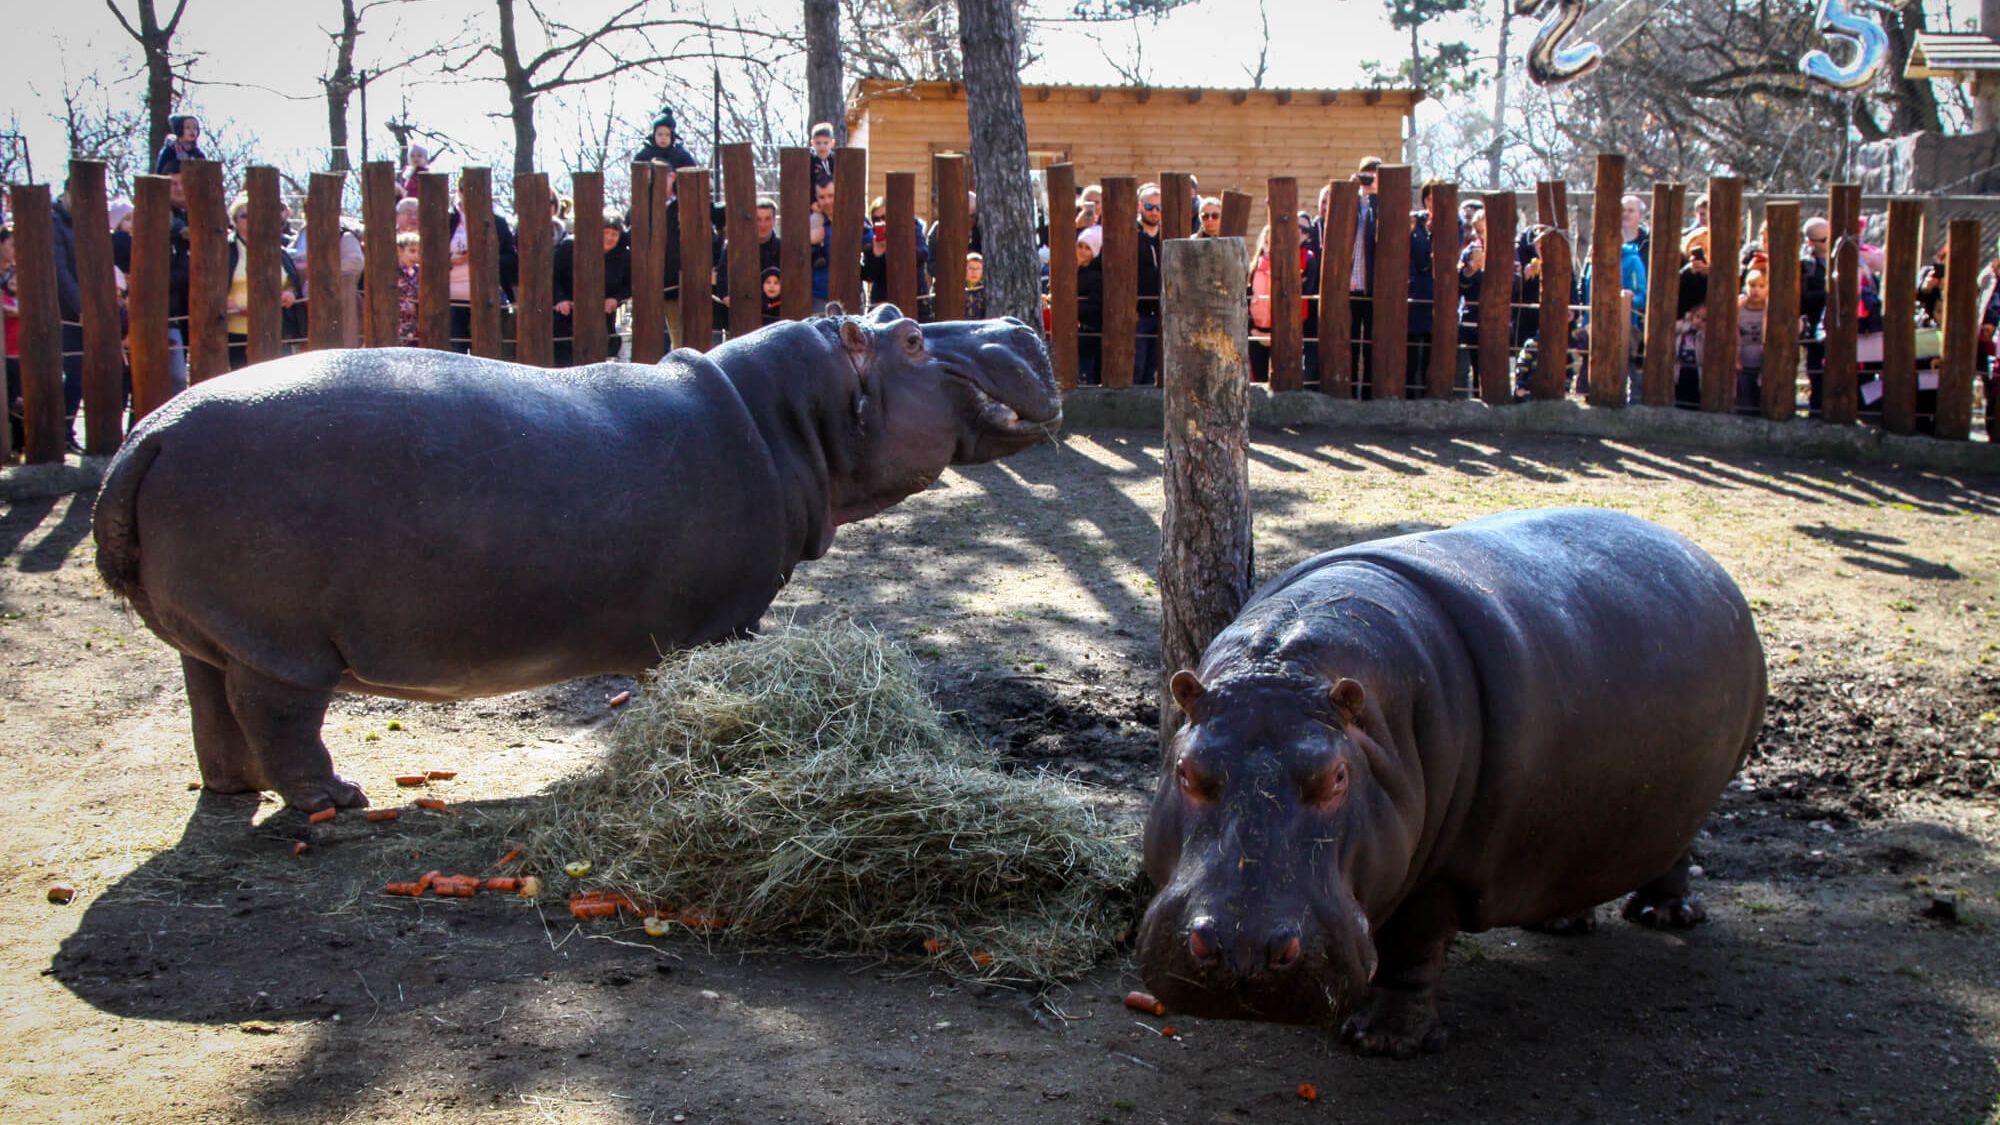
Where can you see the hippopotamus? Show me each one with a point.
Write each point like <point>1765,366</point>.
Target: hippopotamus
<point>433,526</point>
<point>1503,723</point>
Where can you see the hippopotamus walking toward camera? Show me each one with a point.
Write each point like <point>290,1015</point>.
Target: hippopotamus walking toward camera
<point>1503,723</point>
<point>432,526</point>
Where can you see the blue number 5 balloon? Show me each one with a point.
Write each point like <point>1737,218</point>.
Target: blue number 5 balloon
<point>1549,61</point>
<point>1837,20</point>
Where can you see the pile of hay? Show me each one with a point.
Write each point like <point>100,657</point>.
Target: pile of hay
<point>802,789</point>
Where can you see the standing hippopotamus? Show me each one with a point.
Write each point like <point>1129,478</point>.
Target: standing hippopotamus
<point>431,526</point>
<point>1499,724</point>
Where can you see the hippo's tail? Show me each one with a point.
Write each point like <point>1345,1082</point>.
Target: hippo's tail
<point>115,520</point>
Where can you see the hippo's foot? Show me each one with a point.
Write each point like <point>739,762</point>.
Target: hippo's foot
<point>1679,912</point>
<point>329,792</point>
<point>1567,925</point>
<point>1395,1023</point>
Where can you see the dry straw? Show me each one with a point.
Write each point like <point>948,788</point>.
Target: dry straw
<point>802,787</point>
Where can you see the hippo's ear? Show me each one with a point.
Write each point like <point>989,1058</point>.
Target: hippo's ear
<point>1188,690</point>
<point>885,313</point>
<point>1348,699</point>
<point>853,337</point>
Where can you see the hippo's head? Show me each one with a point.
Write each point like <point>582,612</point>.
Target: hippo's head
<point>1258,842</point>
<point>952,393</point>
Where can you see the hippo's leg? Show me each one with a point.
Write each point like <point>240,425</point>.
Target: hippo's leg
<point>227,763</point>
<point>1400,1016</point>
<point>1567,925</point>
<point>1665,903</point>
<point>282,722</point>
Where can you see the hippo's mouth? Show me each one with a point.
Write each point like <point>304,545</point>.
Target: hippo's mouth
<point>996,423</point>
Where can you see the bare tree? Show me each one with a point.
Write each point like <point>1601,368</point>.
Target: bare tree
<point>825,96</point>
<point>156,43</point>
<point>341,80</point>
<point>97,129</point>
<point>991,35</point>
<point>1256,74</point>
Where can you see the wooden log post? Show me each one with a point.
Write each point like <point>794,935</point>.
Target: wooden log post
<point>843,241</point>
<point>1656,383</point>
<point>42,423</point>
<point>1960,361</point>
<point>1899,315</point>
<point>1840,389</point>
<point>263,271</point>
<point>534,293</point>
<point>1062,275</point>
<point>1441,379</point>
<point>1205,535</point>
<point>1392,281</point>
<point>1176,197</point>
<point>146,289</point>
<point>1287,324</point>
<point>1552,343</point>
<point>378,266</point>
<point>1725,248</point>
<point>588,341</point>
<point>795,198</point>
<point>103,359</point>
<point>900,232</point>
<point>745,265</point>
<point>954,230</point>
<point>1235,213</point>
<point>697,235</point>
<point>646,228</point>
<point>482,244</point>
<point>1496,301</point>
<point>326,319</point>
<point>208,270</point>
<point>1778,385</point>
<point>1606,357</point>
<point>434,261</point>
<point>1336,269</point>
<point>1120,210</point>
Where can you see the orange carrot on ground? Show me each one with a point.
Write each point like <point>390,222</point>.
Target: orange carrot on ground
<point>582,907</point>
<point>508,884</point>
<point>379,815</point>
<point>456,886</point>
<point>298,848</point>
<point>433,803</point>
<point>411,780</point>
<point>982,958</point>
<point>410,889</point>
<point>1144,1002</point>
<point>429,877</point>
<point>933,945</point>
<point>1170,1032</point>
<point>1307,1092</point>
<point>61,894</point>
<point>440,775</point>
<point>619,700</point>
<point>510,857</point>
<point>322,816</point>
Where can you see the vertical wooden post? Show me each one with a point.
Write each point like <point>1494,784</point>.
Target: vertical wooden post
<point>1120,211</point>
<point>482,244</point>
<point>1336,269</point>
<point>1663,269</point>
<point>1440,379</point>
<point>1062,275</point>
<point>1961,331</point>
<point>843,241</point>
<point>1392,280</point>
<point>103,359</point>
<point>1899,316</point>
<point>434,261</point>
<point>262,269</point>
<point>378,264</point>
<point>326,321</point>
<point>42,422</point>
<point>795,197</point>
<point>1496,300</point>
<point>1552,356</point>
<point>534,294</point>
<point>1287,327</point>
<point>146,294</point>
<point>1235,213</point>
<point>586,288</point>
<point>1176,195</point>
<point>900,231</point>
<point>1725,248</point>
<point>954,229</point>
<point>739,197</point>
<point>1779,383</point>
<point>1205,534</point>
<point>208,270</point>
<point>646,227</point>
<point>698,262</point>
<point>1840,391</point>
<point>1606,361</point>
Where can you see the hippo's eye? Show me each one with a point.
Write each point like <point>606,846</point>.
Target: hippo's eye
<point>913,342</point>
<point>1327,785</point>
<point>1194,784</point>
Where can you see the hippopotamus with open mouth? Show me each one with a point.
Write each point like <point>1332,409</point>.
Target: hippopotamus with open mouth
<point>432,526</point>
<point>1499,724</point>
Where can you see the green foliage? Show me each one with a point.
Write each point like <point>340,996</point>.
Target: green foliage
<point>1442,69</point>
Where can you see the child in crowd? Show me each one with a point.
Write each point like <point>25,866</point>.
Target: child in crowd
<point>1688,343</point>
<point>409,251</point>
<point>822,153</point>
<point>774,292</point>
<point>975,286</point>
<point>1750,308</point>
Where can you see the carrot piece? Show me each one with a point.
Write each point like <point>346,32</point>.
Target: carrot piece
<point>432,803</point>
<point>411,780</point>
<point>429,877</point>
<point>61,894</point>
<point>619,700</point>
<point>933,946</point>
<point>410,889</point>
<point>1308,1092</point>
<point>379,815</point>
<point>1170,1032</point>
<point>298,848</point>
<point>322,816</point>
<point>440,775</point>
<point>510,857</point>
<point>503,884</point>
<point>982,958</point>
<point>583,907</point>
<point>1144,1002</point>
<point>456,886</point>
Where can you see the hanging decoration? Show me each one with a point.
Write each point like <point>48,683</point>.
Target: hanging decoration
<point>1552,62</point>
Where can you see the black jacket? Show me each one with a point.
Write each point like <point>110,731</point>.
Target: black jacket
<point>617,278</point>
<point>767,259</point>
<point>1149,273</point>
<point>1090,297</point>
<point>674,155</point>
<point>177,263</point>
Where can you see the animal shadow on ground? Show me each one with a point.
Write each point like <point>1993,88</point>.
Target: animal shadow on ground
<point>19,521</point>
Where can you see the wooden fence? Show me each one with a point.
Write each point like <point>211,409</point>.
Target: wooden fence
<point>1338,367</point>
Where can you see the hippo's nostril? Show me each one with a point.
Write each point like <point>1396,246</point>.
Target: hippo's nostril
<point>1285,949</point>
<point>1201,941</point>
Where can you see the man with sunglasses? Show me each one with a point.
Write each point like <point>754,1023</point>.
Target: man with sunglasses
<point>1146,350</point>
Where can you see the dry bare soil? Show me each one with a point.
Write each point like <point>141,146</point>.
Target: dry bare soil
<point>205,974</point>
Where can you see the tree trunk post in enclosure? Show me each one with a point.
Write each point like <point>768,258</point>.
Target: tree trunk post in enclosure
<point>795,195</point>
<point>1120,211</point>
<point>103,360</point>
<point>1840,393</point>
<point>1899,316</point>
<point>208,270</point>
<point>588,343</point>
<point>1176,190</point>
<point>482,247</point>
<point>378,262</point>
<point>534,296</point>
<point>1235,214</point>
<point>1439,381</point>
<point>843,240</point>
<point>1287,325</point>
<point>826,95</point>
<point>697,262</point>
<point>900,232</point>
<point>1779,385</point>
<point>1496,300</point>
<point>1392,281</point>
<point>1607,363</point>
<point>990,32</point>
<point>42,423</point>
<point>326,313</point>
<point>1961,332</point>
<point>434,261</point>
<point>739,196</point>
<point>646,226</point>
<point>1656,383</point>
<point>146,294</point>
<point>1552,356</point>
<point>1205,545</point>
<point>1725,246</point>
<point>264,271</point>
<point>1062,276</point>
<point>1336,268</point>
<point>954,228</point>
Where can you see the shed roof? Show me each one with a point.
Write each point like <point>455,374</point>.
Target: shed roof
<point>870,89</point>
<point>1952,54</point>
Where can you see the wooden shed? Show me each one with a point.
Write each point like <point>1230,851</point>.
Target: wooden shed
<point>1225,138</point>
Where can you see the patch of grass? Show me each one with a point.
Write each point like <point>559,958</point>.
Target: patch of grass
<point>1761,906</point>
<point>1903,605</point>
<point>395,724</point>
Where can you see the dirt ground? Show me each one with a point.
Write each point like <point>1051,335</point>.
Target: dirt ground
<point>204,974</point>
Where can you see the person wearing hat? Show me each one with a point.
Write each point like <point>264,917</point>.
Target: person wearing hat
<point>616,247</point>
<point>416,163</point>
<point>183,143</point>
<point>773,286</point>
<point>662,147</point>
<point>1089,304</point>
